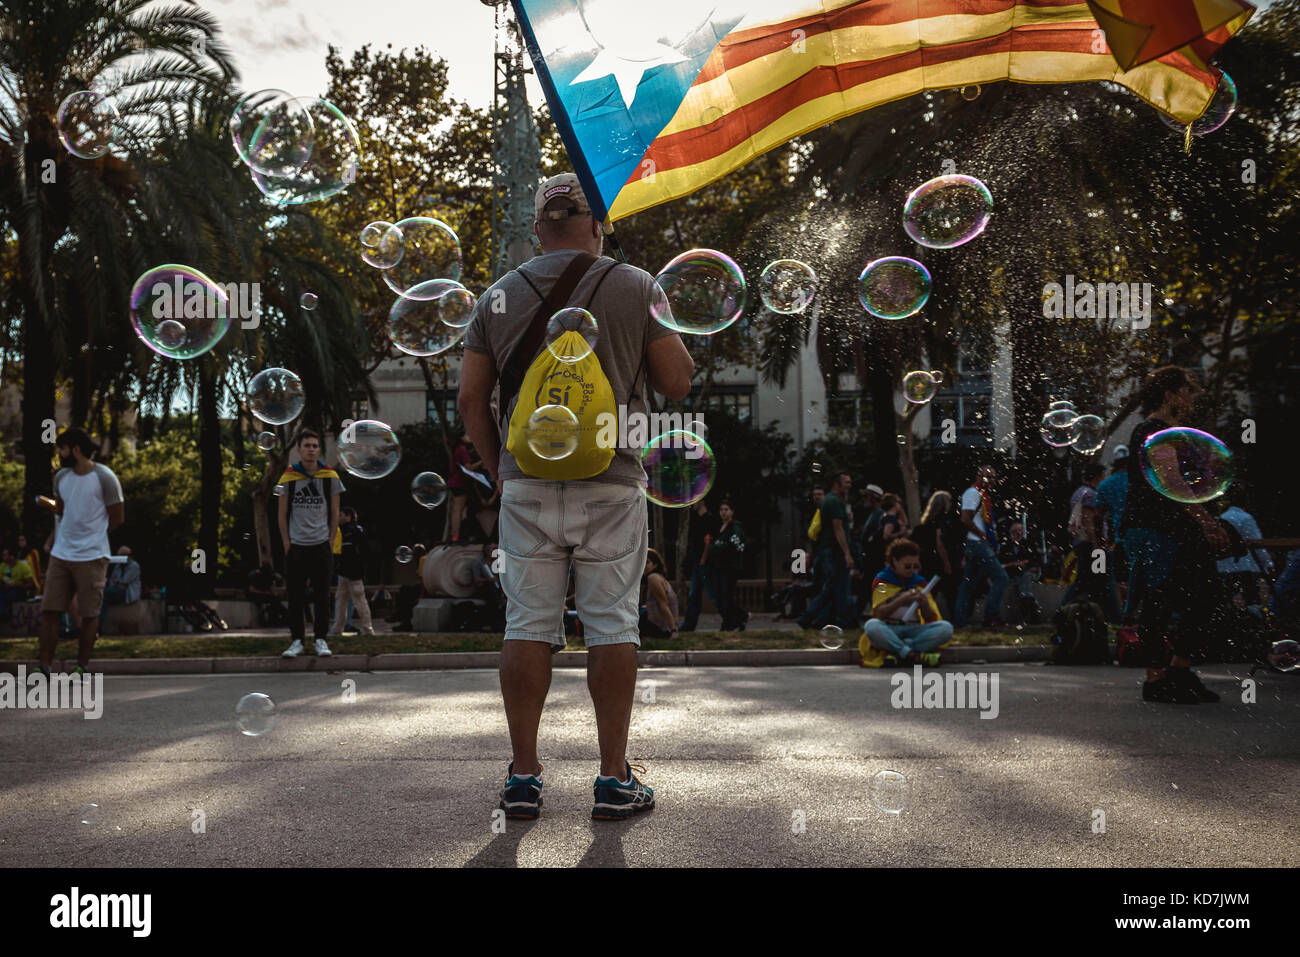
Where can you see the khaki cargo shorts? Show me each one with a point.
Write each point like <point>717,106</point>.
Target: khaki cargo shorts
<point>86,579</point>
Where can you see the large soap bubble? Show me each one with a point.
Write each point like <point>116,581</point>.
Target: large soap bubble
<point>276,396</point>
<point>787,286</point>
<point>947,211</point>
<point>700,292</point>
<point>1187,465</point>
<point>369,449</point>
<point>273,132</point>
<point>419,324</point>
<point>576,347</point>
<point>331,167</point>
<point>894,287</point>
<point>679,469</point>
<point>87,123</point>
<point>178,312</point>
<point>1220,110</point>
<point>430,250</point>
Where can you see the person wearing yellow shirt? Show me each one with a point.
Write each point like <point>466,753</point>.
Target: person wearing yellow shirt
<point>887,639</point>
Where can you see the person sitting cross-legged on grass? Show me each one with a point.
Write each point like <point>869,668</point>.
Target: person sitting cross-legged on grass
<point>887,639</point>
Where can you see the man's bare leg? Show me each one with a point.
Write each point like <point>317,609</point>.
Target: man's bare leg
<point>525,681</point>
<point>86,641</point>
<point>49,636</point>
<point>611,679</point>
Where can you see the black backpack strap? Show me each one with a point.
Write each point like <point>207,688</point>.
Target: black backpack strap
<point>516,366</point>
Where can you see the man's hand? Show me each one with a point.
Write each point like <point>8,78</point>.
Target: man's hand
<point>286,546</point>
<point>848,562</point>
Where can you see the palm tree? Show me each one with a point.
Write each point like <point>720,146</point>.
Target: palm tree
<point>71,216</point>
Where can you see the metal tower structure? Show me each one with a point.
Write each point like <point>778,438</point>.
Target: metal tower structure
<point>517,158</point>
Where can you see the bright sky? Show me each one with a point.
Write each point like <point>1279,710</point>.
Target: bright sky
<point>281,44</point>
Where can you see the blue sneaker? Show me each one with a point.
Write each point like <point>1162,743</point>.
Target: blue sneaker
<point>521,797</point>
<point>619,800</point>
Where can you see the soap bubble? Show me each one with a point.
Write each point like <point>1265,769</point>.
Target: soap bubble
<point>571,348</point>
<point>456,307</point>
<point>1187,465</point>
<point>403,555</point>
<point>255,714</point>
<point>1057,427</point>
<point>267,441</point>
<point>272,132</point>
<point>832,637</point>
<point>894,287</point>
<point>417,324</point>
<point>281,491</point>
<point>1220,110</point>
<point>889,791</point>
<point>308,301</point>
<point>276,396</point>
<point>1060,404</point>
<point>947,211</point>
<point>787,286</point>
<point>679,469</point>
<point>970,93</point>
<point>90,814</point>
<point>87,123</point>
<point>369,449</point>
<point>936,375</point>
<point>919,387</point>
<point>331,166</point>
<point>698,293</point>
<point>1089,434</point>
<point>1285,655</point>
<point>429,489</point>
<point>381,244</point>
<point>178,312</point>
<point>552,432</point>
<point>430,250</point>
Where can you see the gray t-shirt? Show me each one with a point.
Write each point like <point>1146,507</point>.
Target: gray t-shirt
<point>309,514</point>
<point>624,325</point>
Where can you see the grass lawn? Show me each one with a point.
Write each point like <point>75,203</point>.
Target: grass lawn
<point>253,646</point>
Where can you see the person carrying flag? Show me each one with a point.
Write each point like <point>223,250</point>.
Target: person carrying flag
<point>309,517</point>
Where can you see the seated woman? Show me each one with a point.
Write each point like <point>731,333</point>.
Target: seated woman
<point>659,613</point>
<point>887,639</point>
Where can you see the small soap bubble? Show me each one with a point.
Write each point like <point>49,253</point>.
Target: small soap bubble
<point>417,323</point>
<point>552,432</point>
<point>1187,465</point>
<point>936,375</point>
<point>679,469</point>
<point>382,245</point>
<point>1285,655</point>
<point>171,335</point>
<point>308,301</point>
<point>87,123</point>
<point>276,396</point>
<point>369,449</point>
<point>889,791</point>
<point>919,387</point>
<point>571,335</point>
<point>428,489</point>
<point>255,714</point>
<point>1220,110</point>
<point>970,93</point>
<point>90,814</point>
<point>1058,427</point>
<point>894,287</point>
<point>787,286</point>
<point>403,555</point>
<point>947,211</point>
<point>1089,434</point>
<point>430,250</point>
<point>832,637</point>
<point>267,441</point>
<point>698,293</point>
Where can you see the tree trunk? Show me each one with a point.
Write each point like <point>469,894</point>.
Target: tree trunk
<point>210,477</point>
<point>907,462</point>
<point>38,393</point>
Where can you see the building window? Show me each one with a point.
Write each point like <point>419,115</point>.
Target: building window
<point>845,410</point>
<point>360,409</point>
<point>441,406</point>
<point>735,400</point>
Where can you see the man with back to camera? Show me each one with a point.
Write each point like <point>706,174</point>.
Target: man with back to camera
<point>309,516</point>
<point>88,501</point>
<point>981,551</point>
<point>599,524</point>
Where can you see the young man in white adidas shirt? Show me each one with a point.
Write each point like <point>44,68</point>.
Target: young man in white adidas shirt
<point>88,499</point>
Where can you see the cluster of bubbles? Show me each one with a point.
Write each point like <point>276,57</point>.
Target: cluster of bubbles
<point>87,124</point>
<point>787,286</point>
<point>552,432</point>
<point>381,245</point>
<point>1062,426</point>
<point>178,312</point>
<point>919,386</point>
<point>420,258</point>
<point>1222,106</point>
<point>255,714</point>
<point>429,489</point>
<point>432,319</point>
<point>890,791</point>
<point>276,397</point>
<point>298,149</point>
<point>1186,465</point>
<point>369,449</point>
<point>679,469</point>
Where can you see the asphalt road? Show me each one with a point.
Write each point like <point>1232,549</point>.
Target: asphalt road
<point>407,773</point>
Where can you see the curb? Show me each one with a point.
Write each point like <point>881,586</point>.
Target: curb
<point>443,661</point>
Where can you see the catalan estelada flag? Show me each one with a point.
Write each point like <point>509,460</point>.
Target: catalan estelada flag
<point>656,98</point>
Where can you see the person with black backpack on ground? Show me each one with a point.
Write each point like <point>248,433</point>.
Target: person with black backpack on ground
<point>309,516</point>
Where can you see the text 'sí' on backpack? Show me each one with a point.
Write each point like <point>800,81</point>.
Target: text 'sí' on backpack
<point>566,388</point>
<point>1081,635</point>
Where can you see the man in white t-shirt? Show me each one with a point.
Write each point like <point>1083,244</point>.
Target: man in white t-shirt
<point>981,551</point>
<point>88,501</point>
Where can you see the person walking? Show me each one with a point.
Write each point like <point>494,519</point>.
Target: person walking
<point>88,502</point>
<point>309,517</point>
<point>835,600</point>
<point>981,551</point>
<point>702,528</point>
<point>599,523</point>
<point>352,578</point>
<point>1112,494</point>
